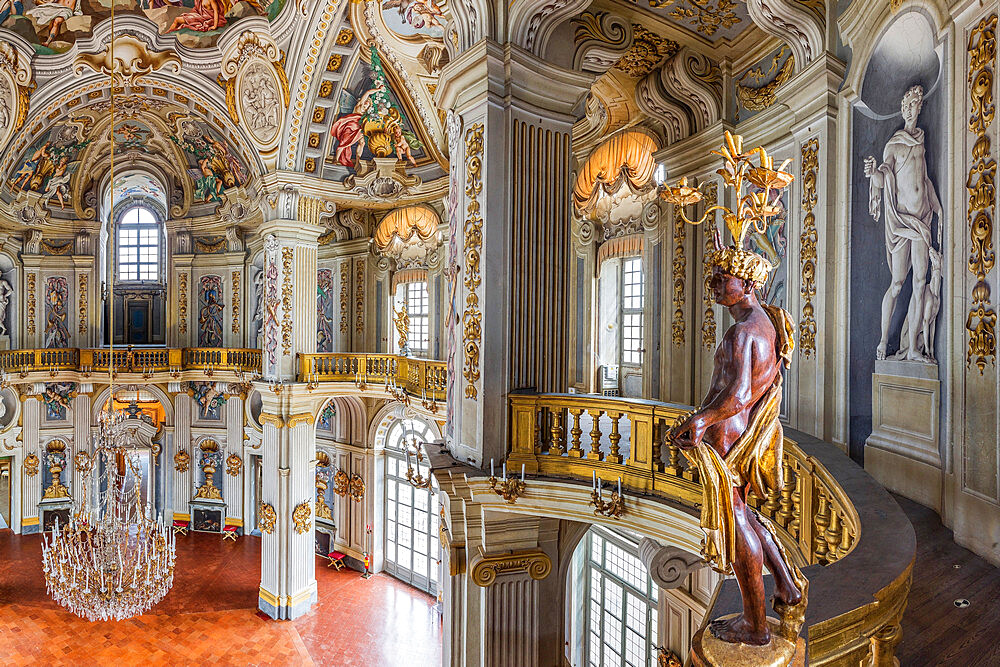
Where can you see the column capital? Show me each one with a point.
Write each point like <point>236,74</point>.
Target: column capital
<point>290,231</point>
<point>491,69</point>
<point>486,568</point>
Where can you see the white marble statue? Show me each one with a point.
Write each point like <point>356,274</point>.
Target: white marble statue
<point>910,204</point>
<point>5,291</point>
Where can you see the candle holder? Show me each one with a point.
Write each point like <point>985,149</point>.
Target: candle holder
<point>209,371</point>
<point>414,477</point>
<point>613,508</point>
<point>23,372</point>
<point>360,381</point>
<point>312,383</point>
<point>275,386</point>
<point>509,489</point>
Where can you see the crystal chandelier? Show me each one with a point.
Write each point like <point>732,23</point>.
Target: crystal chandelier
<point>113,560</point>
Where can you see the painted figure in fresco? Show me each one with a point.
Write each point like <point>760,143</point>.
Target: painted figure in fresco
<point>735,439</point>
<point>418,13</point>
<point>211,312</point>
<point>51,15</point>
<point>208,398</point>
<point>324,311</point>
<point>217,169</point>
<point>258,299</point>
<point>26,173</point>
<point>10,8</point>
<point>346,130</point>
<point>205,16</point>
<point>5,291</point>
<point>58,185</point>
<point>56,296</point>
<point>402,145</point>
<point>910,205</point>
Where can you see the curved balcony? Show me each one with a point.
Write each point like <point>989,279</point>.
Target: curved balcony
<point>854,543</point>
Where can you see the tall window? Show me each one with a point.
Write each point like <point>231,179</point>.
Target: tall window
<point>418,310</point>
<point>621,604</point>
<point>632,304</point>
<point>138,246</point>
<point>412,548</point>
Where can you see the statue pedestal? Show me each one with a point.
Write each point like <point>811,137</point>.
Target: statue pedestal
<point>902,451</point>
<point>708,651</point>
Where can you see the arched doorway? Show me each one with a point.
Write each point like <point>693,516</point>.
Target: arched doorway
<point>412,544</point>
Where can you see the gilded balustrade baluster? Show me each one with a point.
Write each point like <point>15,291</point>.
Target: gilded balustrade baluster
<point>796,510</point>
<point>556,447</point>
<point>659,432</point>
<point>575,451</point>
<point>614,456</point>
<point>784,514</point>
<point>821,521</point>
<point>595,453</point>
<point>770,507</point>
<point>674,460</point>
<point>846,540</point>
<point>832,535</point>
<point>539,418</point>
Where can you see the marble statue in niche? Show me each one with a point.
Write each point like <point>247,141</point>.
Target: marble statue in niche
<point>5,292</point>
<point>210,312</point>
<point>911,202</point>
<point>56,298</point>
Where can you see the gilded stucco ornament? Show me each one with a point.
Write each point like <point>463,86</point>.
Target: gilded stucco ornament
<point>31,465</point>
<point>234,465</point>
<point>257,91</point>
<point>472,317</point>
<point>756,88</point>
<point>807,241</point>
<point>302,517</point>
<point>132,59</point>
<point>980,185</point>
<point>268,517</point>
<point>16,84</point>
<point>182,460</point>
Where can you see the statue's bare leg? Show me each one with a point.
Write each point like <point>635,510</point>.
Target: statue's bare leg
<point>915,313</point>
<point>899,267</point>
<point>784,588</point>
<point>750,627</point>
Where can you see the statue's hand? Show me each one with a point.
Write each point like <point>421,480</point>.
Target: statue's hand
<point>870,166</point>
<point>688,434</point>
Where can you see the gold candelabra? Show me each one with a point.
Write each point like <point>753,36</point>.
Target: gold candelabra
<point>414,477</point>
<point>510,489</point>
<point>753,209</point>
<point>613,508</point>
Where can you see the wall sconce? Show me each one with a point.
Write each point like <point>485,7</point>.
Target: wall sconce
<point>613,508</point>
<point>360,380</point>
<point>275,386</point>
<point>508,489</point>
<point>313,382</point>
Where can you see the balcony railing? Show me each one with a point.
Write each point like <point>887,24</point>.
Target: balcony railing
<point>425,378</point>
<point>853,541</point>
<point>140,361</point>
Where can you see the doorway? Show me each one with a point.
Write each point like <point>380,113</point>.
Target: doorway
<point>6,465</point>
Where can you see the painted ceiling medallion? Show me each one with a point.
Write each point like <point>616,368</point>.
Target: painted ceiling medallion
<point>132,60</point>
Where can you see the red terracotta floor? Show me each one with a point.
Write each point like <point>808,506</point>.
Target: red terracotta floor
<point>210,617</point>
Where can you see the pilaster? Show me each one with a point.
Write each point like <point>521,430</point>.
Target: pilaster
<point>31,486</point>
<point>288,577</point>
<point>509,218</point>
<point>289,294</point>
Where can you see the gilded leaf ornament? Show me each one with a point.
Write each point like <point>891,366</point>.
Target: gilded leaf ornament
<point>808,240</point>
<point>268,517</point>
<point>980,185</point>
<point>472,318</point>
<point>705,17</point>
<point>680,277</point>
<point>756,89</point>
<point>708,331</point>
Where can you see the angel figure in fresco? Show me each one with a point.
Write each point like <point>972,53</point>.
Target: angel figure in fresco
<point>26,173</point>
<point>418,13</point>
<point>346,130</point>
<point>205,16</point>
<point>51,15</point>
<point>234,172</point>
<point>402,145</point>
<point>58,185</point>
<point>210,319</point>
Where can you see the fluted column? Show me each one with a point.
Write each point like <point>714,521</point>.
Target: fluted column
<point>288,578</point>
<point>232,490</point>
<point>81,439</point>
<point>509,219</point>
<point>31,485</point>
<point>177,501</point>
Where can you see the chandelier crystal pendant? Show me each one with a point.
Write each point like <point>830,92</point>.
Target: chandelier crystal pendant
<point>113,560</point>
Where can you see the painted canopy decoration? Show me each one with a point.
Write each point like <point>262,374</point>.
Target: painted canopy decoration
<point>626,158</point>
<point>399,227</point>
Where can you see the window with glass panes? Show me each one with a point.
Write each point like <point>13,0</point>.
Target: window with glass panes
<point>621,603</point>
<point>632,303</point>
<point>412,548</point>
<point>138,246</point>
<point>418,309</point>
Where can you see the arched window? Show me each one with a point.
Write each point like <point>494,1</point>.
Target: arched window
<point>419,313</point>
<point>412,547</point>
<point>138,245</point>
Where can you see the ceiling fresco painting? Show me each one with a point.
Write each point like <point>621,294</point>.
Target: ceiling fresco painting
<point>414,18</point>
<point>371,122</point>
<point>53,26</point>
<point>49,164</point>
<point>212,166</point>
